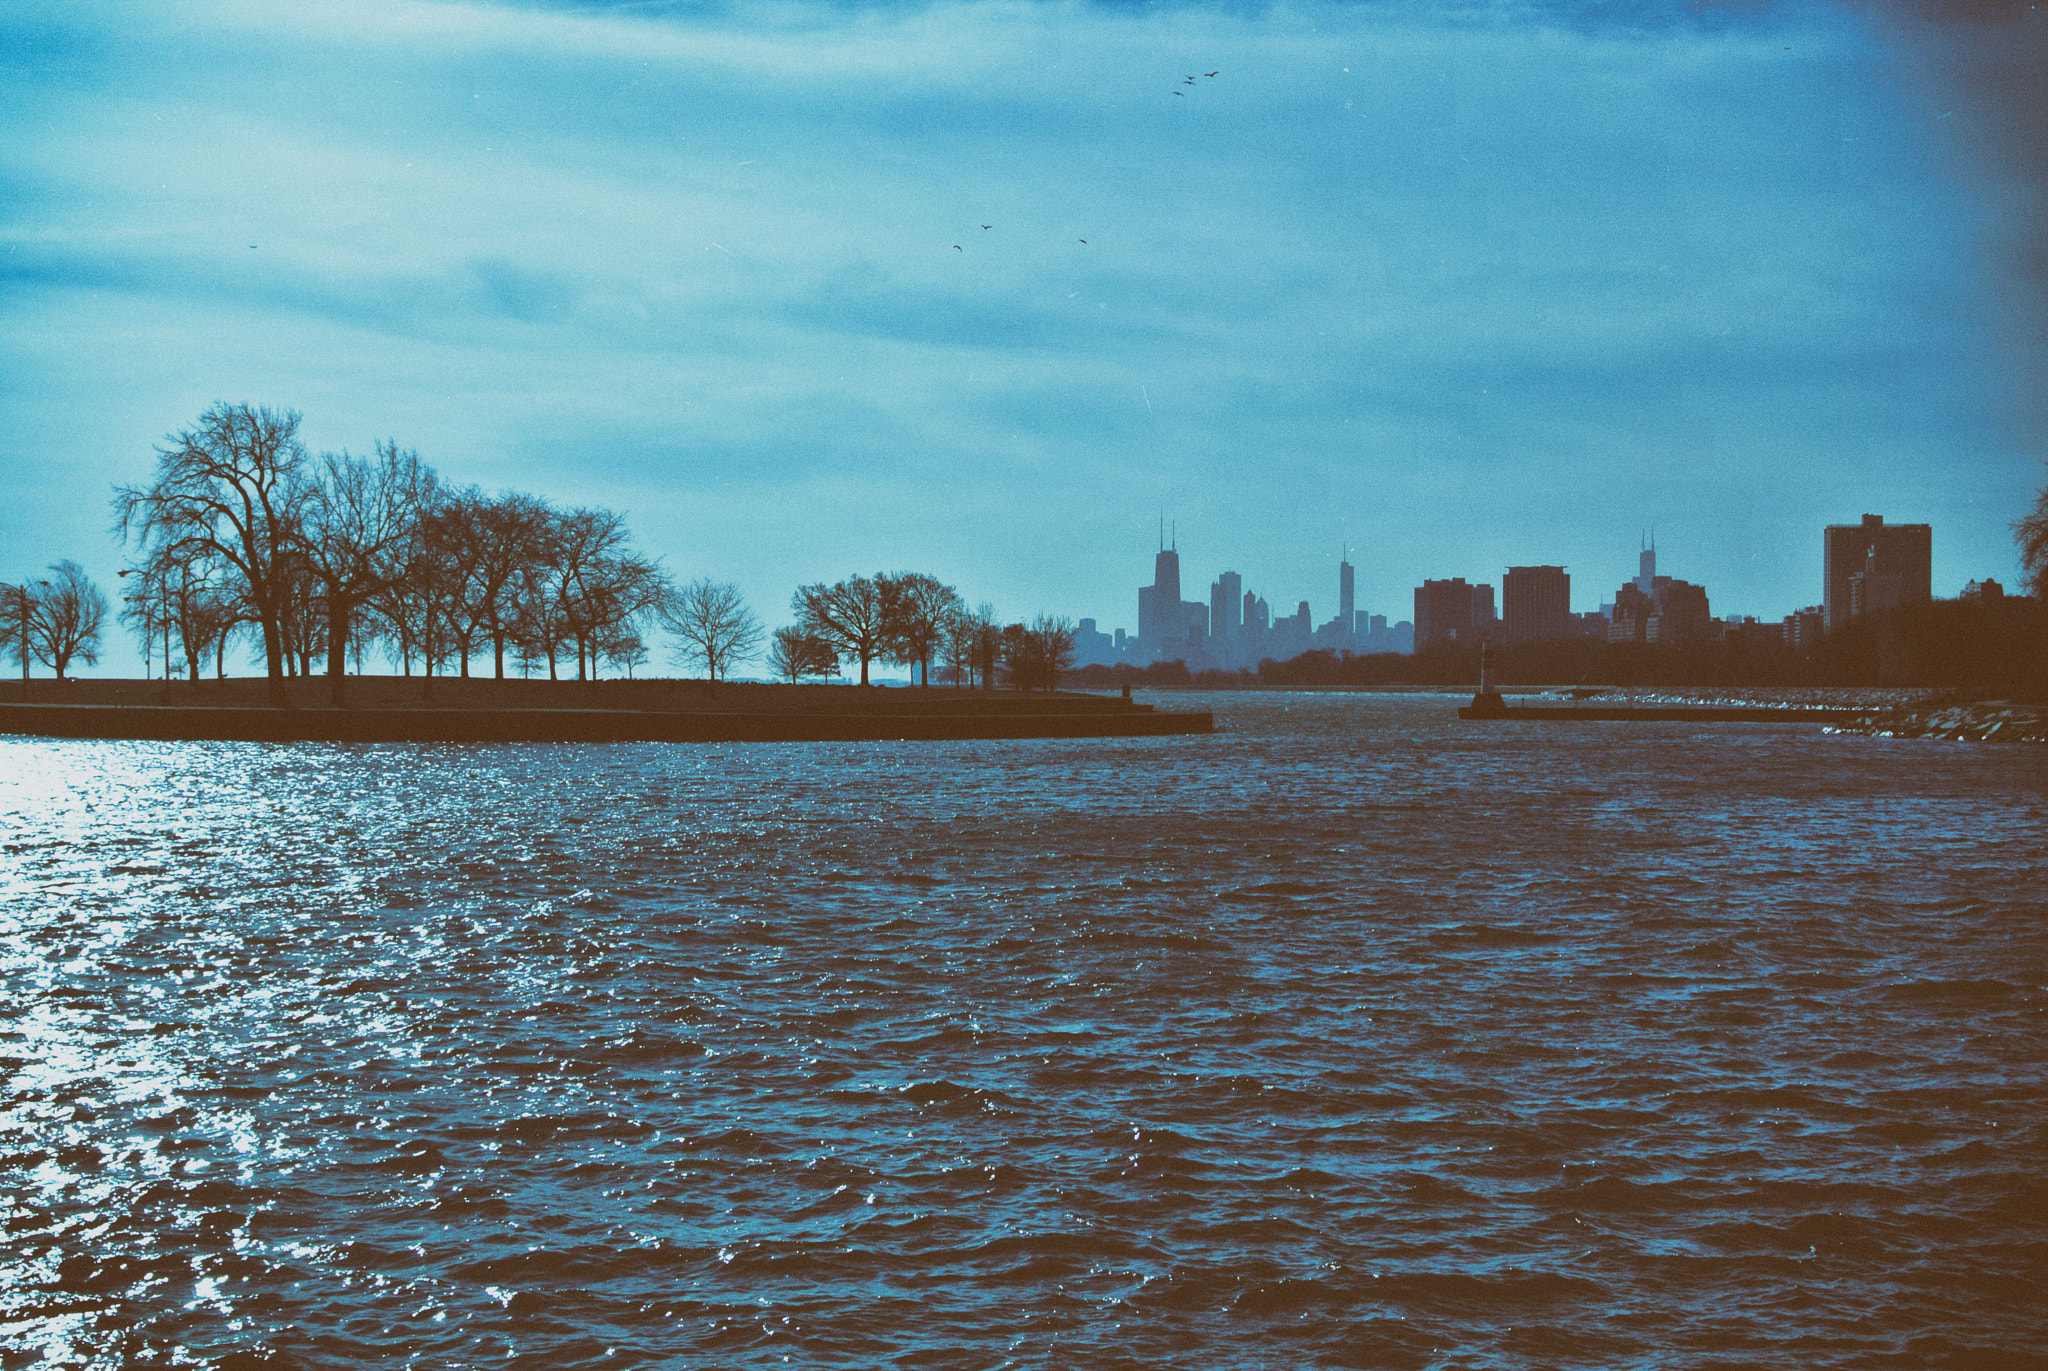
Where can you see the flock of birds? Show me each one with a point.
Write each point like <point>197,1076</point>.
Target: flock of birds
<point>1185,81</point>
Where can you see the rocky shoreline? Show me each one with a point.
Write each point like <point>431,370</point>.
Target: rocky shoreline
<point>1983,721</point>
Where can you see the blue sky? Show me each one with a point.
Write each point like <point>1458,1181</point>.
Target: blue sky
<point>1463,286</point>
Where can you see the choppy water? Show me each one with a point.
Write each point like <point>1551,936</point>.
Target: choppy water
<point>1350,1037</point>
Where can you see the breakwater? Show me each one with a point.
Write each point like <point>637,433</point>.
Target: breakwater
<point>1080,719</point>
<point>1981,722</point>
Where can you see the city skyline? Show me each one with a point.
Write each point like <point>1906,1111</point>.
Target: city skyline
<point>1461,291</point>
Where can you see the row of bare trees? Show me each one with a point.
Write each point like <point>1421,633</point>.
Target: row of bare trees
<point>913,619</point>
<point>241,529</point>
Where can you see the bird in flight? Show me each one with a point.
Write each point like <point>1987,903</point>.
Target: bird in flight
<point>1084,242</point>
<point>987,226</point>
<point>1208,73</point>
<point>1177,92</point>
<point>958,248</point>
<point>1190,81</point>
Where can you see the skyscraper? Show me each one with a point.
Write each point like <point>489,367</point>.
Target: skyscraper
<point>1536,601</point>
<point>1892,564</point>
<point>1347,600</point>
<point>1646,568</point>
<point>1159,613</point>
<point>1226,605</point>
<point>1443,612</point>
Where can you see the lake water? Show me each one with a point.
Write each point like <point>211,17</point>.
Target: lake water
<point>1350,1037</point>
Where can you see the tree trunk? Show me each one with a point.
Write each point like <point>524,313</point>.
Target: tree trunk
<point>339,610</point>
<point>498,652</point>
<point>273,663</point>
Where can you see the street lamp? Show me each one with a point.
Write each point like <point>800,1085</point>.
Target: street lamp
<point>21,593</point>
<point>163,601</point>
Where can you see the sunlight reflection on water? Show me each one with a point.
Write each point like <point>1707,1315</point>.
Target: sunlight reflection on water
<point>1350,1036</point>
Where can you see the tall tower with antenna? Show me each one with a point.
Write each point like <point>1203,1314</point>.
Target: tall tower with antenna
<point>1347,598</point>
<point>1159,612</point>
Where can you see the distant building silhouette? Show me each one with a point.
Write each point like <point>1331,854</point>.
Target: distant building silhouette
<point>1347,599</point>
<point>1874,566</point>
<point>1226,606</point>
<point>1451,611</point>
<point>1091,645</point>
<point>1803,627</point>
<point>1536,602</point>
<point>1159,614</point>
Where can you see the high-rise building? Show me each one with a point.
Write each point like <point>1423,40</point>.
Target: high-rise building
<point>1894,561</point>
<point>1347,598</point>
<point>1803,627</point>
<point>1482,609</point>
<point>1159,613</point>
<point>1646,567</point>
<point>1443,612</point>
<point>1226,605</point>
<point>1536,601</point>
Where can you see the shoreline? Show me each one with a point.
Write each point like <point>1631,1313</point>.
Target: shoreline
<point>173,723</point>
<point>391,709</point>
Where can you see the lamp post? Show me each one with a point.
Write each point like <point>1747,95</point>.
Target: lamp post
<point>143,600</point>
<point>21,595</point>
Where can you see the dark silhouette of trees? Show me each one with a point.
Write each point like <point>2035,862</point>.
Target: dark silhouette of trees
<point>715,625</point>
<point>229,488</point>
<point>22,604</point>
<point>64,624</point>
<point>491,540</point>
<point>1034,654</point>
<point>583,571</point>
<point>2032,533</point>
<point>618,595</point>
<point>356,528</point>
<point>918,609</point>
<point>853,616</point>
<point>794,654</point>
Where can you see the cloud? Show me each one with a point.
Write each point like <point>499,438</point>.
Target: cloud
<point>1449,281</point>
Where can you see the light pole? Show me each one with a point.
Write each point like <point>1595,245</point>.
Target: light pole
<point>143,600</point>
<point>21,593</point>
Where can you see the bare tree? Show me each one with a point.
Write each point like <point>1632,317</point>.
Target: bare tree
<point>620,595</point>
<point>958,648</point>
<point>919,607</point>
<point>624,648</point>
<point>794,654</point>
<point>585,555</point>
<point>229,487</point>
<point>492,540</point>
<point>2032,533</point>
<point>67,620</point>
<point>1034,655</point>
<point>853,616</point>
<point>985,642</point>
<point>715,625</point>
<point>356,529</point>
<point>20,606</point>
<point>180,596</point>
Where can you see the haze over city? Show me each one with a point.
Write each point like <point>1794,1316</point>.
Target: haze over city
<point>986,289</point>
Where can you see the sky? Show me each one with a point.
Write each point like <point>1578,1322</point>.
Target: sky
<point>990,289</point>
